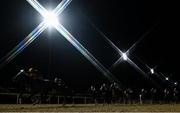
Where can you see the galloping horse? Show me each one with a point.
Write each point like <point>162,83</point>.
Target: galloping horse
<point>33,83</point>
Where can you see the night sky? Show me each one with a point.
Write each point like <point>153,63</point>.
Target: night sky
<point>122,21</point>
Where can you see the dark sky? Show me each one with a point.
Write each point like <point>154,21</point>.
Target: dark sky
<point>123,21</point>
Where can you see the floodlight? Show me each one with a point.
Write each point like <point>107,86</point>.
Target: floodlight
<point>167,78</point>
<point>175,83</point>
<point>124,55</point>
<point>152,71</point>
<point>22,70</point>
<point>50,19</point>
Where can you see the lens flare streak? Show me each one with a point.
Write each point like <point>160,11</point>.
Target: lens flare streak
<point>86,53</point>
<point>107,40</point>
<point>36,5</point>
<point>58,10</point>
<point>75,43</point>
<point>145,74</point>
<point>35,33</point>
<point>23,44</point>
<point>125,55</point>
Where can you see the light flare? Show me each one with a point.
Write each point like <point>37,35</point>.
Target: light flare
<point>23,44</point>
<point>124,55</point>
<point>50,19</point>
<point>152,71</point>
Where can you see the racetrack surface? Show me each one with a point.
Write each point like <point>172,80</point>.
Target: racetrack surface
<point>89,108</point>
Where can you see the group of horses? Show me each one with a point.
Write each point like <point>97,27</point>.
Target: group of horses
<point>113,93</point>
<point>33,88</point>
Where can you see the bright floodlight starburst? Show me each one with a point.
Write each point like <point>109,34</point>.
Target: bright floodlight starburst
<point>167,78</point>
<point>152,71</point>
<point>50,19</point>
<point>124,55</point>
<point>175,83</point>
<point>22,70</point>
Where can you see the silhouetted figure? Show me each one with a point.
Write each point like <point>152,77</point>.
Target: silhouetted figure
<point>33,83</point>
<point>142,95</point>
<point>36,82</point>
<point>22,82</point>
<point>120,95</point>
<point>126,96</point>
<point>115,92</point>
<point>104,92</point>
<point>130,91</point>
<point>175,95</point>
<point>93,93</point>
<point>153,93</point>
<point>166,95</point>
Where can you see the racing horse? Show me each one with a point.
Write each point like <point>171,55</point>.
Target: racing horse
<point>33,83</point>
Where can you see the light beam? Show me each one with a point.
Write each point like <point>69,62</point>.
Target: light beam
<point>35,33</point>
<point>124,55</point>
<point>50,19</point>
<point>60,28</point>
<point>167,78</point>
<point>175,83</point>
<point>152,71</point>
<point>22,70</point>
<point>23,44</point>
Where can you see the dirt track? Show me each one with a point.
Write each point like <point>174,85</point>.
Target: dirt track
<point>90,108</point>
